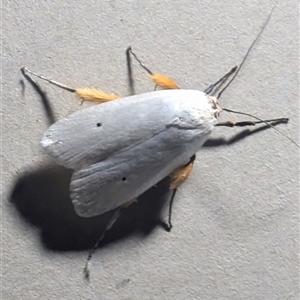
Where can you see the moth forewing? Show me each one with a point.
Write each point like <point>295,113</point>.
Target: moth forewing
<point>121,148</point>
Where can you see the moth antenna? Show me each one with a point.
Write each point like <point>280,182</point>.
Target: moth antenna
<point>247,54</point>
<point>212,89</point>
<point>264,121</point>
<point>24,69</point>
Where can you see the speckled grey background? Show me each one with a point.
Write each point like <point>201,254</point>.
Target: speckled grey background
<point>235,220</point>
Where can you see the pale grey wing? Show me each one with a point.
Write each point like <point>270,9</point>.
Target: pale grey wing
<point>121,148</point>
<point>98,188</point>
<point>93,134</point>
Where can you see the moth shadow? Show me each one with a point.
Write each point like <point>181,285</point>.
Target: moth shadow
<point>42,198</point>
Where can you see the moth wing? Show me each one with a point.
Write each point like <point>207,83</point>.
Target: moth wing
<point>93,134</point>
<point>98,188</point>
<point>120,149</point>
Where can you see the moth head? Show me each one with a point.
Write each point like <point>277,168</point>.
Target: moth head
<point>215,105</point>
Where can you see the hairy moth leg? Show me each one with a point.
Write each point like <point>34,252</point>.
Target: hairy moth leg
<point>160,80</point>
<point>85,94</point>
<point>178,177</point>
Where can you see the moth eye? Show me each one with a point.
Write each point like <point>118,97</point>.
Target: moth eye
<point>99,124</point>
<point>124,179</point>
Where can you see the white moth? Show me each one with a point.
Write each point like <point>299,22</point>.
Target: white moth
<point>121,148</point>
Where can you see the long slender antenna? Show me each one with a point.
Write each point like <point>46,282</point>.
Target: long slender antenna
<point>247,54</point>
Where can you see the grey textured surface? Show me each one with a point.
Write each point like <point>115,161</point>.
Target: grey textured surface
<point>235,220</point>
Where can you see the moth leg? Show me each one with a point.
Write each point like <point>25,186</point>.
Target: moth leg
<point>180,174</point>
<point>85,94</point>
<point>96,96</point>
<point>177,177</point>
<point>271,123</point>
<point>160,80</point>
<point>168,226</point>
<point>127,204</point>
<point>251,123</point>
<point>109,225</point>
